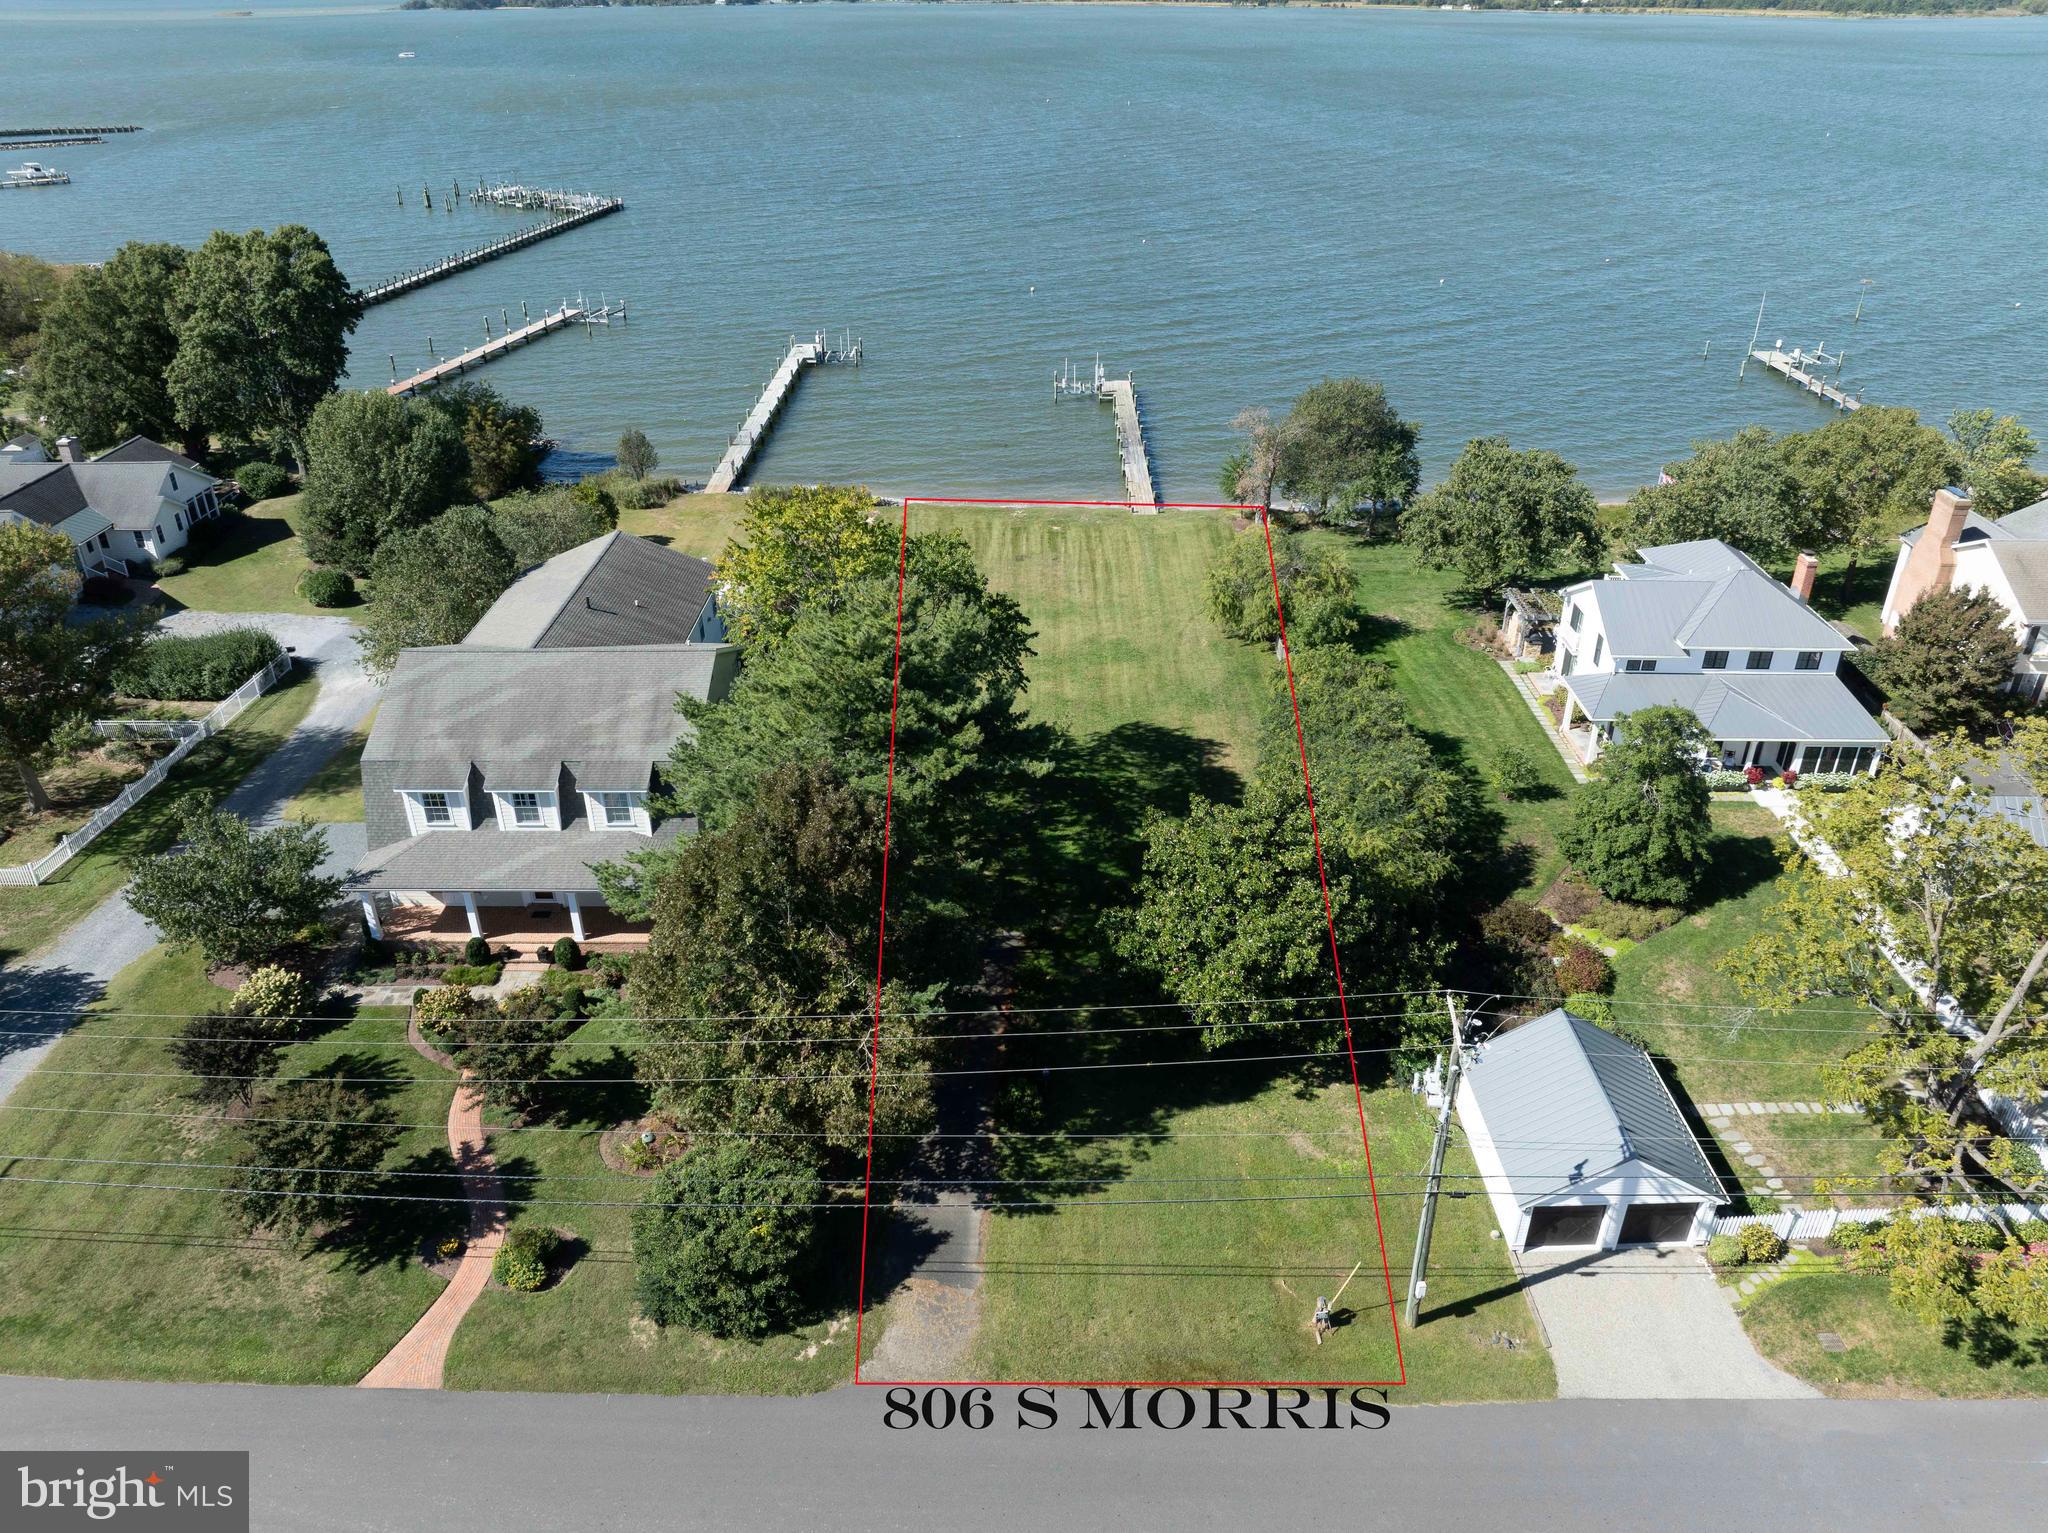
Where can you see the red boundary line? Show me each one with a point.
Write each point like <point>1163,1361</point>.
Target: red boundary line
<point>1329,918</point>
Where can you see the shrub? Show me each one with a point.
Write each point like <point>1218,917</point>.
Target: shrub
<point>567,954</point>
<point>1831,782</point>
<point>1516,776</point>
<point>1517,923</point>
<point>1791,778</point>
<point>1725,1251</point>
<point>448,1247</point>
<point>204,667</point>
<point>263,481</point>
<point>476,951</point>
<point>1753,775</point>
<point>328,588</point>
<point>1581,967</point>
<point>2032,1232</point>
<point>734,1270</point>
<point>442,1010</point>
<point>275,994</point>
<point>169,565</point>
<point>472,973</point>
<point>104,591</point>
<point>1978,1235</point>
<point>1760,1243</point>
<point>1854,1234</point>
<point>1726,780</point>
<point>1594,1008</point>
<point>522,1260</point>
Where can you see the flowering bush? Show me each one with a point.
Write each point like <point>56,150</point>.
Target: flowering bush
<point>1791,778</point>
<point>1753,775</point>
<point>1831,782</point>
<point>1726,780</point>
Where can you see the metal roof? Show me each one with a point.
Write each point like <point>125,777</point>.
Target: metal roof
<point>1686,597</point>
<point>1737,705</point>
<point>1567,1103</point>
<point>613,590</point>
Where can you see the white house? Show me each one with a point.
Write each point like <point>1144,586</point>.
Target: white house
<point>1579,1142</point>
<point>1959,550</point>
<point>1703,627</point>
<point>133,504</point>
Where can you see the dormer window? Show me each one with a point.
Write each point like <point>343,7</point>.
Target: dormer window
<point>1714,660</point>
<point>1809,660</point>
<point>1638,665</point>
<point>434,809</point>
<point>526,809</point>
<point>618,811</point>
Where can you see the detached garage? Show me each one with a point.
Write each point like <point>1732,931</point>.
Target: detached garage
<point>1580,1143</point>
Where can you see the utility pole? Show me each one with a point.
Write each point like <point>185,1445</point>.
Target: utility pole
<point>1420,1266</point>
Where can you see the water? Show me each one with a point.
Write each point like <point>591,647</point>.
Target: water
<point>1522,224</point>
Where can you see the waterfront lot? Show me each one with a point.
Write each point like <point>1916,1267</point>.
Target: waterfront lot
<point>254,567</point>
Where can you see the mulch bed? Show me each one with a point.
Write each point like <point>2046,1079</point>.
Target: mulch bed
<point>425,1049</point>
<point>669,1144</point>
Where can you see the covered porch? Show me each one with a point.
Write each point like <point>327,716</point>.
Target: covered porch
<point>527,928</point>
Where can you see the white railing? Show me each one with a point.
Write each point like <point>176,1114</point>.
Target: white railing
<point>224,713</point>
<point>1819,1223</point>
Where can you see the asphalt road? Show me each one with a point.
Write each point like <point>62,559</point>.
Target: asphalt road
<point>328,1459</point>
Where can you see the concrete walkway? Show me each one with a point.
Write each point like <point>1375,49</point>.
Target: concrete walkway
<point>72,973</point>
<point>1648,1324</point>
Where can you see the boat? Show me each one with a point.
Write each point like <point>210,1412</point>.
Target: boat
<point>408,54</point>
<point>29,173</point>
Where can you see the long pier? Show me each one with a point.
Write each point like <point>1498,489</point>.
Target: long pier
<point>744,443</point>
<point>1799,367</point>
<point>49,143</point>
<point>51,132</point>
<point>463,260</point>
<point>497,346</point>
<point>1134,456</point>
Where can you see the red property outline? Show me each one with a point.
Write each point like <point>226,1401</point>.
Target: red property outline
<point>1329,918</point>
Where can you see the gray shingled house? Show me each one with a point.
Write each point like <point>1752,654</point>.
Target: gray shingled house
<point>133,503</point>
<point>1579,1142</point>
<point>502,768</point>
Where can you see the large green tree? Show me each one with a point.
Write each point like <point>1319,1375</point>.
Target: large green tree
<point>52,669</point>
<point>1317,585</point>
<point>309,1154</point>
<point>1948,664</point>
<point>1640,830</point>
<point>108,341</point>
<point>1995,458</point>
<point>1343,445</point>
<point>228,1056</point>
<point>263,327</point>
<point>502,440</point>
<point>1501,516</point>
<point>802,548</point>
<point>238,894</point>
<point>538,524</point>
<point>28,287</point>
<point>1862,477</point>
<point>431,584</point>
<point>1741,490</point>
<point>376,467</point>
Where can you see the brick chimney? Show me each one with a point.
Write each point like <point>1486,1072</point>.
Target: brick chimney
<point>68,450</point>
<point>1932,563</point>
<point>1803,573</point>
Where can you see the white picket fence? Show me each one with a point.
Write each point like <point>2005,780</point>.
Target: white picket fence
<point>224,713</point>
<point>1819,1223</point>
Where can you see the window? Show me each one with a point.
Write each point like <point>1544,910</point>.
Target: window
<point>1638,665</point>
<point>1566,668</point>
<point>138,538</point>
<point>159,531</point>
<point>1577,613</point>
<point>1599,643</point>
<point>1809,660</point>
<point>615,810</point>
<point>1760,659</point>
<point>1714,660</point>
<point>434,809</point>
<point>179,518</point>
<point>525,808</point>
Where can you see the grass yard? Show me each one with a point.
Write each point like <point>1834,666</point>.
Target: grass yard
<point>1226,1291</point>
<point>1888,1352</point>
<point>133,1283</point>
<point>255,567</point>
<point>335,795</point>
<point>693,524</point>
<point>76,788</point>
<point>31,916</point>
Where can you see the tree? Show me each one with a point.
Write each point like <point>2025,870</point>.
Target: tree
<point>28,287</point>
<point>1249,472</point>
<point>758,987</point>
<point>238,894</point>
<point>108,339</point>
<point>228,1056</point>
<point>637,458</point>
<point>377,467</point>
<point>263,327</point>
<point>727,1238</point>
<point>1863,476</point>
<point>1317,585</point>
<point>510,1048</point>
<point>801,548</point>
<point>538,524</point>
<point>1948,664</point>
<point>1740,490</point>
<point>308,1154</point>
<point>502,441</point>
<point>1639,831</point>
<point>1962,903</point>
<point>1942,1276</point>
<point>1502,516</point>
<point>1343,444</point>
<point>51,669</point>
<point>432,584</point>
<point>1994,457</point>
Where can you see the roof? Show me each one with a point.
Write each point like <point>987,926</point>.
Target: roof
<point>1737,705</point>
<point>607,712</point>
<point>489,860</point>
<point>140,449</point>
<point>1566,1102</point>
<point>2024,563</point>
<point>1702,595</point>
<point>613,590</point>
<point>28,442</point>
<point>2027,521</point>
<point>129,494</point>
<point>41,492</point>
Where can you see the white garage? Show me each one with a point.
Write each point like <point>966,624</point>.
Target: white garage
<point>1580,1143</point>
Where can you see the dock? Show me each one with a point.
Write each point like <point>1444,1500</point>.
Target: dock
<point>1803,368</point>
<point>577,313</point>
<point>1135,457</point>
<point>46,178</point>
<point>49,143</point>
<point>508,194</point>
<point>419,277</point>
<point>54,132</point>
<point>744,443</point>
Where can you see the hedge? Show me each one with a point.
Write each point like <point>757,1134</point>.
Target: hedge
<point>262,481</point>
<point>204,668</point>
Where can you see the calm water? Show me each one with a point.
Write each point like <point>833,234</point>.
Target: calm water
<point>1522,224</point>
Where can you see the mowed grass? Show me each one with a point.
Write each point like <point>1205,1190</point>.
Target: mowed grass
<point>133,1282</point>
<point>255,567</point>
<point>1095,1288</point>
<point>32,916</point>
<point>691,524</point>
<point>335,795</point>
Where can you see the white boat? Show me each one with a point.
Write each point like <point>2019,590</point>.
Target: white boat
<point>408,54</point>
<point>29,173</point>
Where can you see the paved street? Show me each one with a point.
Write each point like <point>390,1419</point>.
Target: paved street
<point>331,1459</point>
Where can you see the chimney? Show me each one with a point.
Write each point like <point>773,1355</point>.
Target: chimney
<point>67,450</point>
<point>1802,575</point>
<point>1931,565</point>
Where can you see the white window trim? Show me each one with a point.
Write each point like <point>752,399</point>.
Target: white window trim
<point>593,812</point>
<point>416,813</point>
<point>550,810</point>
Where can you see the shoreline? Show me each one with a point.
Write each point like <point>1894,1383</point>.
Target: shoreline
<point>1534,8</point>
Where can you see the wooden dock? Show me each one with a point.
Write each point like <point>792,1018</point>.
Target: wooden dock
<point>495,347</point>
<point>741,447</point>
<point>1134,456</point>
<point>54,132</point>
<point>49,143</point>
<point>461,261</point>
<point>1803,369</point>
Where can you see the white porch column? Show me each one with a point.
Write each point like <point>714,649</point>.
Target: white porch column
<point>370,919</point>
<point>476,925</point>
<point>575,915</point>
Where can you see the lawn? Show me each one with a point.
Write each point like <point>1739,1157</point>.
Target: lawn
<point>694,524</point>
<point>76,788</point>
<point>106,1282</point>
<point>31,916</point>
<point>1888,1352</point>
<point>335,795</point>
<point>254,567</point>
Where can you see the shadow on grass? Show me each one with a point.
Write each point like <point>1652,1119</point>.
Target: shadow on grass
<point>592,1091</point>
<point>1738,864</point>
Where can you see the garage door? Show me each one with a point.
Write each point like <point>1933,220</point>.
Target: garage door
<point>1657,1224</point>
<point>1579,1226</point>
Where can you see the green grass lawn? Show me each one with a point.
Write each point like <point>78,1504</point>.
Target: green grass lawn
<point>1888,1353</point>
<point>335,795</point>
<point>693,524</point>
<point>254,567</point>
<point>32,916</point>
<point>103,1282</point>
<point>76,789</point>
<point>1090,1290</point>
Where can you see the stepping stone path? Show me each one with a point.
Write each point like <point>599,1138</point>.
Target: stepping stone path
<point>1763,1277</point>
<point>1721,1118</point>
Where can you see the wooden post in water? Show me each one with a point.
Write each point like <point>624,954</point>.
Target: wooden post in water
<point>1759,330</point>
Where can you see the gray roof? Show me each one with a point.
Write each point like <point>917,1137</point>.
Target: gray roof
<point>1737,705</point>
<point>518,711</point>
<point>140,449</point>
<point>2024,562</point>
<point>482,861</point>
<point>27,442</point>
<point>130,495</point>
<point>45,493</point>
<point>1974,527</point>
<point>613,590</point>
<point>1566,1103</point>
<point>2027,521</point>
<point>1702,595</point>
